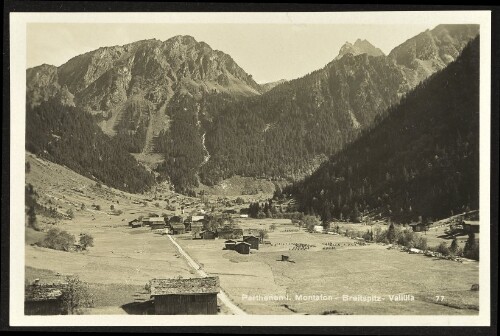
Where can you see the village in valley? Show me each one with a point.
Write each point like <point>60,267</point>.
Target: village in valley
<point>325,178</point>
<point>166,253</point>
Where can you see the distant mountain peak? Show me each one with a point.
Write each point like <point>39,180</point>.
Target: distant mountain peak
<point>359,47</point>
<point>271,85</point>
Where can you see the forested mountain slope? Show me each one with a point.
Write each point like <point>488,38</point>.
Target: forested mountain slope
<point>283,133</point>
<point>64,135</point>
<point>420,160</point>
<point>194,106</point>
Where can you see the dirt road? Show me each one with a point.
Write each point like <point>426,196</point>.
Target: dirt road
<point>222,296</point>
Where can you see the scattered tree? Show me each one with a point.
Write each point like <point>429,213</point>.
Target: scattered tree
<point>391,233</point>
<point>454,246</point>
<point>86,240</point>
<point>262,235</point>
<point>471,249</point>
<point>76,295</point>
<point>443,249</point>
<point>32,221</point>
<point>57,239</point>
<point>310,222</point>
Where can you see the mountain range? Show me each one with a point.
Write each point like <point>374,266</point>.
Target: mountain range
<point>420,162</point>
<point>209,120</point>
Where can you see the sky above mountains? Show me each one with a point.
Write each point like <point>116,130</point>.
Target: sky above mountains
<point>269,52</point>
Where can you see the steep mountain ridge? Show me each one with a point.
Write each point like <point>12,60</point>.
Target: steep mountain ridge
<point>432,50</point>
<point>145,75</point>
<point>422,160</point>
<point>285,131</point>
<point>211,120</point>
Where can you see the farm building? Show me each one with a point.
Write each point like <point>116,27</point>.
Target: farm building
<point>157,225</point>
<point>207,234</point>
<point>44,299</point>
<point>197,218</point>
<point>417,227</point>
<point>197,226</point>
<point>242,247</point>
<point>194,222</point>
<point>196,229</point>
<point>195,296</point>
<point>470,226</point>
<point>177,228</point>
<point>175,219</point>
<point>229,244</point>
<point>153,221</point>
<point>243,216</point>
<point>253,241</point>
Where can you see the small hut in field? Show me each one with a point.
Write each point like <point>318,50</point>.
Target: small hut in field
<point>195,296</point>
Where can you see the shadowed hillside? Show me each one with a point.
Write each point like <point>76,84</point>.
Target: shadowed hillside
<point>421,160</point>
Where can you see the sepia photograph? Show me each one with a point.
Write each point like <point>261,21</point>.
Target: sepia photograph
<point>250,168</point>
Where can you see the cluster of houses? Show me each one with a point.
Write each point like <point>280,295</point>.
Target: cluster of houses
<point>198,225</point>
<point>243,246</point>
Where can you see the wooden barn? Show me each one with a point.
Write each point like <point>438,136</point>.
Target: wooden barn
<point>417,227</point>
<point>194,222</point>
<point>197,226</point>
<point>195,296</point>
<point>197,218</point>
<point>44,299</point>
<point>175,219</point>
<point>177,228</point>
<point>253,241</point>
<point>207,234</point>
<point>470,226</point>
<point>196,230</point>
<point>229,244</point>
<point>242,247</point>
<point>154,221</point>
<point>157,225</point>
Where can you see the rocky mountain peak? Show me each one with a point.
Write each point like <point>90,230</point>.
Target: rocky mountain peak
<point>359,47</point>
<point>432,50</point>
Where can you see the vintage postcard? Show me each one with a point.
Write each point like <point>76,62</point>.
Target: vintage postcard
<point>251,169</point>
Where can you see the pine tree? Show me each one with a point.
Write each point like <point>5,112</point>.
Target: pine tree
<point>391,233</point>
<point>454,246</point>
<point>32,221</point>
